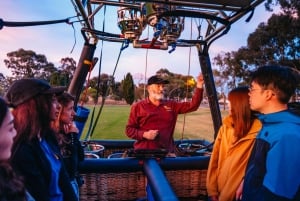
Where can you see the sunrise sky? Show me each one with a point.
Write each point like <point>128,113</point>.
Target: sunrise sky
<point>56,41</point>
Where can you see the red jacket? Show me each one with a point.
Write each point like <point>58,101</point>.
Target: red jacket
<point>145,116</point>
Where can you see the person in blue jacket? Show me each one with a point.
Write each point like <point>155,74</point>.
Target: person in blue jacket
<point>272,173</point>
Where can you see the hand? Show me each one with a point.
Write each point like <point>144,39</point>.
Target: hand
<point>150,134</point>
<point>213,198</point>
<point>70,128</point>
<point>172,155</point>
<point>200,81</point>
<point>239,191</point>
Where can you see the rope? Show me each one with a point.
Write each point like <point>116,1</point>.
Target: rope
<point>106,93</point>
<point>89,132</point>
<point>187,86</point>
<point>146,67</point>
<point>94,124</point>
<point>145,73</point>
<point>75,41</point>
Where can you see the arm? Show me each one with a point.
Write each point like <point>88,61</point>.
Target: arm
<point>196,99</point>
<point>65,185</point>
<point>282,162</point>
<point>75,146</point>
<point>140,125</point>
<point>26,162</point>
<point>64,179</point>
<point>212,172</point>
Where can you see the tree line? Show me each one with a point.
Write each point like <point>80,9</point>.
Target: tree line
<point>28,64</point>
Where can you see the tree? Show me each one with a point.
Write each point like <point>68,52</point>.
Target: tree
<point>3,84</point>
<point>28,64</point>
<point>68,66</point>
<point>290,7</point>
<point>128,89</point>
<point>116,91</point>
<point>274,42</point>
<point>102,85</point>
<point>140,92</point>
<point>64,73</point>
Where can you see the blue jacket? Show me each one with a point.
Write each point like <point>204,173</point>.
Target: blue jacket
<point>272,173</point>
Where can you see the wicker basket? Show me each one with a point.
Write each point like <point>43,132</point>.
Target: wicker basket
<point>128,184</point>
<point>113,186</point>
<point>188,184</point>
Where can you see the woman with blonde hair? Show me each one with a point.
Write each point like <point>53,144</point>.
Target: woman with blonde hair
<point>232,147</point>
<point>68,139</point>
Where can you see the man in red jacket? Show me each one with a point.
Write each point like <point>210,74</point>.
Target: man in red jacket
<point>152,121</point>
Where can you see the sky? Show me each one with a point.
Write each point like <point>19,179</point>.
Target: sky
<point>57,41</point>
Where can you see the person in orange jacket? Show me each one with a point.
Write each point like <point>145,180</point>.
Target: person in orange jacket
<point>232,147</point>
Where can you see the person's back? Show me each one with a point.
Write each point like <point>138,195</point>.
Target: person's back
<point>273,170</point>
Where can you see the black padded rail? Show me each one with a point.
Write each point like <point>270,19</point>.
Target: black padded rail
<point>134,164</point>
<point>129,143</point>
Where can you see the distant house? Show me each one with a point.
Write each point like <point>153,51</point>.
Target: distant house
<point>221,101</point>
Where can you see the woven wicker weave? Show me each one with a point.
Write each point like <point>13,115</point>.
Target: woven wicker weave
<point>113,187</point>
<point>106,184</point>
<point>187,185</point>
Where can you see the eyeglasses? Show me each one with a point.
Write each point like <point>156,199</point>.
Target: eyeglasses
<point>252,89</point>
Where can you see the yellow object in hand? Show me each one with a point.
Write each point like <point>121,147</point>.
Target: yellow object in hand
<point>191,82</point>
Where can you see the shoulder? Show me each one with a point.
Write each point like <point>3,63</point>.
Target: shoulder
<point>25,152</point>
<point>227,121</point>
<point>256,125</point>
<point>141,102</point>
<point>26,146</point>
<point>226,126</point>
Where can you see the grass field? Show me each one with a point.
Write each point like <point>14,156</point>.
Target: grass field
<point>113,119</point>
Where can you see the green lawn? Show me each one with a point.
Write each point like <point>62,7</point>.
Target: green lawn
<point>113,119</point>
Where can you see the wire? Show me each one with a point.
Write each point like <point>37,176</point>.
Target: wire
<point>75,40</point>
<point>92,122</point>
<point>106,93</point>
<point>187,86</point>
<point>146,66</point>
